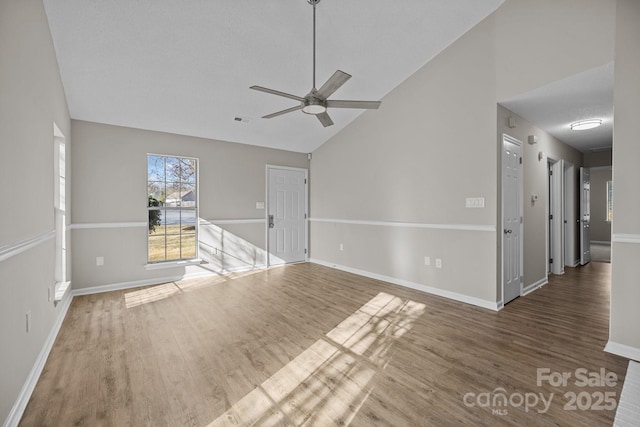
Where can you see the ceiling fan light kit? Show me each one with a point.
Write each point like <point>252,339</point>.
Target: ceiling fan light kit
<point>316,102</point>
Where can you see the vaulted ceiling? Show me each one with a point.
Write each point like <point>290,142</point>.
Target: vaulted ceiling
<point>185,67</point>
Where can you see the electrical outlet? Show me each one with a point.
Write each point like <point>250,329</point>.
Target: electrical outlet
<point>438,263</point>
<point>28,315</point>
<point>99,260</point>
<point>427,260</point>
<point>341,247</point>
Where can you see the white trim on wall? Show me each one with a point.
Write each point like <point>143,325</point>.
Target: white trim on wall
<point>12,250</point>
<point>13,419</point>
<point>465,227</point>
<point>623,350</point>
<point>136,224</point>
<point>204,272</point>
<point>97,225</point>
<point>535,286</point>
<point>625,238</point>
<point>232,221</point>
<point>417,286</point>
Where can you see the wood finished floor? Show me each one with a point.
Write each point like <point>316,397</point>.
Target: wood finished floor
<point>308,345</point>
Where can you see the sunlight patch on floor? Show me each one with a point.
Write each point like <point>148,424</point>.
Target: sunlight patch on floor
<point>151,294</point>
<point>328,382</point>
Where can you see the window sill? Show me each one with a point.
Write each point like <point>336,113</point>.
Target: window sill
<point>60,290</point>
<point>172,264</point>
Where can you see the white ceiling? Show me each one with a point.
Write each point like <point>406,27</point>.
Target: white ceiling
<point>583,96</point>
<point>185,67</point>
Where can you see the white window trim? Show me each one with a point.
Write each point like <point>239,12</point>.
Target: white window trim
<point>158,265</point>
<point>161,265</point>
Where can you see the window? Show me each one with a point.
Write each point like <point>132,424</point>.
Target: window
<point>609,201</point>
<point>172,203</point>
<point>60,214</point>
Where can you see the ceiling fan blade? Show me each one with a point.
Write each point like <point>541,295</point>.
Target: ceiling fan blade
<point>365,105</point>
<point>324,119</point>
<point>333,84</point>
<point>279,113</point>
<point>276,92</point>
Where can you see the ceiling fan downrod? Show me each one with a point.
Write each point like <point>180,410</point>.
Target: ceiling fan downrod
<point>314,3</point>
<point>316,102</point>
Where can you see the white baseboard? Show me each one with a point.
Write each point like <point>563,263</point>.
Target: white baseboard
<point>124,285</point>
<point>534,286</point>
<point>629,352</point>
<point>13,419</point>
<point>417,286</point>
<point>202,272</point>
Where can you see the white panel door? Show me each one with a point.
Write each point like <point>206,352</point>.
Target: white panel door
<point>511,218</point>
<point>286,215</point>
<point>585,216</point>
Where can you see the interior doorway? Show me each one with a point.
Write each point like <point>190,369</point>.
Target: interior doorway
<point>556,217</point>
<point>512,226</point>
<point>585,216</point>
<point>570,219</point>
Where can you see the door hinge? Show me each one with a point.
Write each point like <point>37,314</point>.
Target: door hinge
<point>550,260</point>
<point>550,172</point>
<point>550,216</point>
<point>521,279</point>
<point>305,216</point>
<point>305,180</point>
<point>305,250</point>
<point>520,220</point>
<point>520,160</point>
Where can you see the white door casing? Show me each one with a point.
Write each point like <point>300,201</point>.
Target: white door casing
<point>286,215</point>
<point>512,257</point>
<point>585,215</point>
<point>555,212</point>
<point>569,215</point>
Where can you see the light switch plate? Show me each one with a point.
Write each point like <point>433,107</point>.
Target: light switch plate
<point>259,205</point>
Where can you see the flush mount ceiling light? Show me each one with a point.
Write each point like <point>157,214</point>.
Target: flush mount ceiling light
<point>586,124</point>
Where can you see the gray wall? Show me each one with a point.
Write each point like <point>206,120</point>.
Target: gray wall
<point>600,228</point>
<point>431,145</point>
<point>535,181</point>
<point>598,159</point>
<point>625,292</point>
<point>434,142</point>
<point>110,190</point>
<point>31,100</point>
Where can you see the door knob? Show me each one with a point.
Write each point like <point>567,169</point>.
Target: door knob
<point>507,231</point>
<point>271,224</point>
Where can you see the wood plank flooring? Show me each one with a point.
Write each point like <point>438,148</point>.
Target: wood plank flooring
<point>308,345</point>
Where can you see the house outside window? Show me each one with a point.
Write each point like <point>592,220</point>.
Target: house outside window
<point>172,206</point>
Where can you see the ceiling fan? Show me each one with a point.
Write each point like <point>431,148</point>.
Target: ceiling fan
<point>316,102</point>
